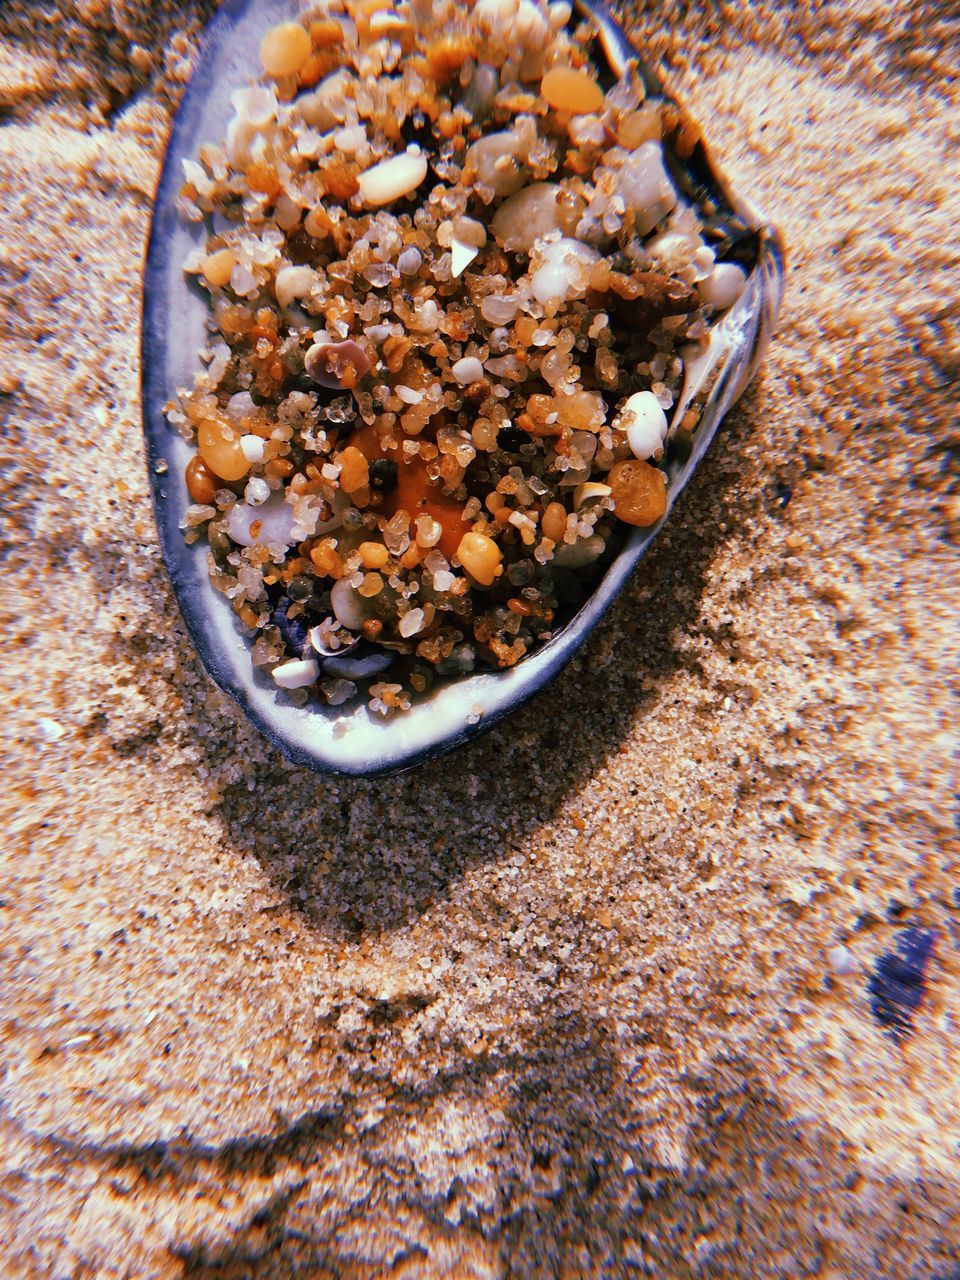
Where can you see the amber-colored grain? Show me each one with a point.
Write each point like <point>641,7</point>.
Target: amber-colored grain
<point>201,482</point>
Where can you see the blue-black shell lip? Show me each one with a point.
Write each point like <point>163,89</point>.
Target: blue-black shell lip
<point>396,745</point>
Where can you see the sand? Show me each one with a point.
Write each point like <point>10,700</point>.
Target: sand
<point>567,1003</point>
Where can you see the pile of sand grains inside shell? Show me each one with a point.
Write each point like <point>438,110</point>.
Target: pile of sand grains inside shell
<point>450,279</point>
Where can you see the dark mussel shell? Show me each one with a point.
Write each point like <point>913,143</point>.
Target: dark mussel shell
<point>174,316</point>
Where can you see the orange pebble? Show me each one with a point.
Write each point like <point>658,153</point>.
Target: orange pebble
<point>554,522</point>
<point>219,447</point>
<point>201,482</point>
<point>354,469</point>
<point>639,492</point>
<point>217,267</point>
<point>374,555</point>
<point>567,89</point>
<point>284,49</point>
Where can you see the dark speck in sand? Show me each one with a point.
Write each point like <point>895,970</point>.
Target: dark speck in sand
<point>897,983</point>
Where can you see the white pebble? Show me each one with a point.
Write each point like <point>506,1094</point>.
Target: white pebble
<point>338,691</point>
<point>467,370</point>
<point>348,605</point>
<point>644,184</point>
<point>297,674</point>
<point>563,273</point>
<point>241,406</point>
<point>840,959</point>
<point>252,447</point>
<point>723,286</point>
<point>393,178</point>
<point>443,580</point>
<point>645,424</point>
<point>408,395</point>
<point>286,213</point>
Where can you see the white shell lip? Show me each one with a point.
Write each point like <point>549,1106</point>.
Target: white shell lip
<point>336,739</point>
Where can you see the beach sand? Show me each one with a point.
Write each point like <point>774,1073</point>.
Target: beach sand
<point>633,985</point>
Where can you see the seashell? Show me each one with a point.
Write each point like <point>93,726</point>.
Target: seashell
<point>745,288</point>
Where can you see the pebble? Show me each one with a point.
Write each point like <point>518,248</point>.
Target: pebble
<point>257,491</point>
<point>219,446</point>
<point>645,187</point>
<point>411,623</point>
<point>561,275</point>
<point>391,179</point>
<point>577,555</point>
<point>639,492</point>
<point>410,261</point>
<point>645,424</point>
<point>297,674</point>
<point>274,518</point>
<point>217,267</point>
<point>467,370</point>
<point>723,286</point>
<point>252,447</point>
<point>480,556</point>
<point>481,91</point>
<point>568,89</point>
<point>50,730</point>
<point>284,49</point>
<point>840,959</point>
<point>348,605</point>
<point>533,213</point>
<point>328,362</point>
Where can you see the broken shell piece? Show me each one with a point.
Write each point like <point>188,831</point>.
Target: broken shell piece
<point>591,491</point>
<point>338,365</point>
<point>461,255</point>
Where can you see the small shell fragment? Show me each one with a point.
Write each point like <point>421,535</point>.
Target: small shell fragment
<point>461,255</point>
